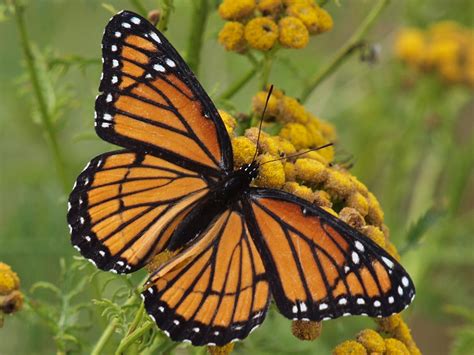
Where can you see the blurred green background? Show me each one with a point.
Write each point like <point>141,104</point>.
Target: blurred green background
<point>410,138</point>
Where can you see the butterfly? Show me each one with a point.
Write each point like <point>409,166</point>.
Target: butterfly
<point>174,188</point>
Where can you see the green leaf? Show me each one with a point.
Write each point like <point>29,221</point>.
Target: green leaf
<point>420,227</point>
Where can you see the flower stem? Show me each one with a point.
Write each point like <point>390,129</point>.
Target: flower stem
<point>109,331</point>
<point>166,9</point>
<point>345,51</point>
<point>198,24</point>
<point>134,336</point>
<point>237,85</point>
<point>39,96</point>
<point>139,6</point>
<point>266,69</point>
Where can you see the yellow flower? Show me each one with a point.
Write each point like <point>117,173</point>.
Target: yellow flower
<point>301,191</point>
<point>229,121</point>
<point>306,330</point>
<point>322,199</point>
<point>221,350</point>
<point>410,46</point>
<point>395,347</point>
<point>231,36</point>
<point>236,9</point>
<point>258,103</point>
<point>276,146</point>
<point>271,175</point>
<point>307,14</point>
<point>11,300</point>
<point>244,150</point>
<point>159,260</point>
<point>371,340</point>
<point>359,202</point>
<point>375,234</point>
<point>338,184</point>
<point>290,110</point>
<point>9,280</point>
<point>328,130</point>
<point>310,171</point>
<point>325,22</point>
<point>293,33</point>
<point>330,210</point>
<point>375,214</point>
<point>349,347</point>
<point>269,7</point>
<point>290,171</point>
<point>352,217</point>
<point>261,33</point>
<point>297,134</point>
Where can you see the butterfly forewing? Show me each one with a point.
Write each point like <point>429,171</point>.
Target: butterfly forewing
<point>125,206</point>
<point>151,100</point>
<point>320,268</point>
<point>215,291</point>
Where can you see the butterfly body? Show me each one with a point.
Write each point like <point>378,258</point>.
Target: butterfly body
<point>174,187</point>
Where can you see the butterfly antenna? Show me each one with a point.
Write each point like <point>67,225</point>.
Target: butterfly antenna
<point>302,153</point>
<point>261,122</point>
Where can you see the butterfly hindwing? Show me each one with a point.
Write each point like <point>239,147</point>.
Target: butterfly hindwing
<point>213,292</point>
<point>150,99</point>
<point>320,268</point>
<point>125,206</point>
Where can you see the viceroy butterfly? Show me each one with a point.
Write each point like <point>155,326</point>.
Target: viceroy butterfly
<point>174,187</point>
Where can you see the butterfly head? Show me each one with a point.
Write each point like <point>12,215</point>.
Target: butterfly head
<point>250,170</point>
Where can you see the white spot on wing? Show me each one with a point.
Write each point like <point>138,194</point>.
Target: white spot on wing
<point>107,117</point>
<point>135,20</point>
<point>114,79</point>
<point>155,37</point>
<point>77,247</point>
<point>113,48</point>
<point>342,301</point>
<point>359,246</point>
<point>117,34</point>
<point>323,306</point>
<point>115,63</point>
<point>377,304</point>
<point>400,290</point>
<point>391,300</point>
<point>126,25</point>
<point>294,309</point>
<point>360,301</point>
<point>153,318</point>
<point>105,125</point>
<point>405,281</point>
<point>161,309</point>
<point>196,330</point>
<point>102,253</point>
<point>303,307</point>
<point>176,322</point>
<point>170,63</point>
<point>92,262</point>
<point>87,238</point>
<point>387,262</point>
<point>355,257</point>
<point>159,68</point>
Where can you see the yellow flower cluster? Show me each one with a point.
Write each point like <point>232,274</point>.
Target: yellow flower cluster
<point>11,299</point>
<point>369,341</point>
<point>261,24</point>
<point>446,48</point>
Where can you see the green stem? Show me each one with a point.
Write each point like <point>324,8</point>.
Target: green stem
<point>346,50</point>
<point>266,69</point>
<point>109,331</point>
<point>129,340</point>
<point>43,107</point>
<point>198,25</point>
<point>166,9</point>
<point>237,85</point>
<point>140,8</point>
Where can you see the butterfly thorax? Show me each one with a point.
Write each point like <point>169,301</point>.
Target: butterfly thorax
<point>221,196</point>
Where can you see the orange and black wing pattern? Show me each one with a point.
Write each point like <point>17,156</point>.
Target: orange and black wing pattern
<point>151,101</point>
<point>125,206</point>
<point>320,268</point>
<point>215,291</point>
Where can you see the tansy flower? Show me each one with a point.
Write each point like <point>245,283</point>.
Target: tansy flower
<point>290,110</point>
<point>231,37</point>
<point>410,46</point>
<point>221,350</point>
<point>297,134</point>
<point>325,22</point>
<point>244,150</point>
<point>229,122</point>
<point>261,33</point>
<point>258,104</point>
<point>372,341</point>
<point>308,14</point>
<point>11,299</point>
<point>269,7</point>
<point>395,347</point>
<point>236,9</point>
<point>272,174</point>
<point>293,33</point>
<point>349,347</point>
<point>306,330</point>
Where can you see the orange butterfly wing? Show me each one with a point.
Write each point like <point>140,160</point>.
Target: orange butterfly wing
<point>320,268</point>
<point>125,206</point>
<point>213,292</point>
<point>151,100</point>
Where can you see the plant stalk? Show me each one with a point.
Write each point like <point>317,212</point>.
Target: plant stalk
<point>237,85</point>
<point>40,99</point>
<point>198,25</point>
<point>166,9</point>
<point>345,51</point>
